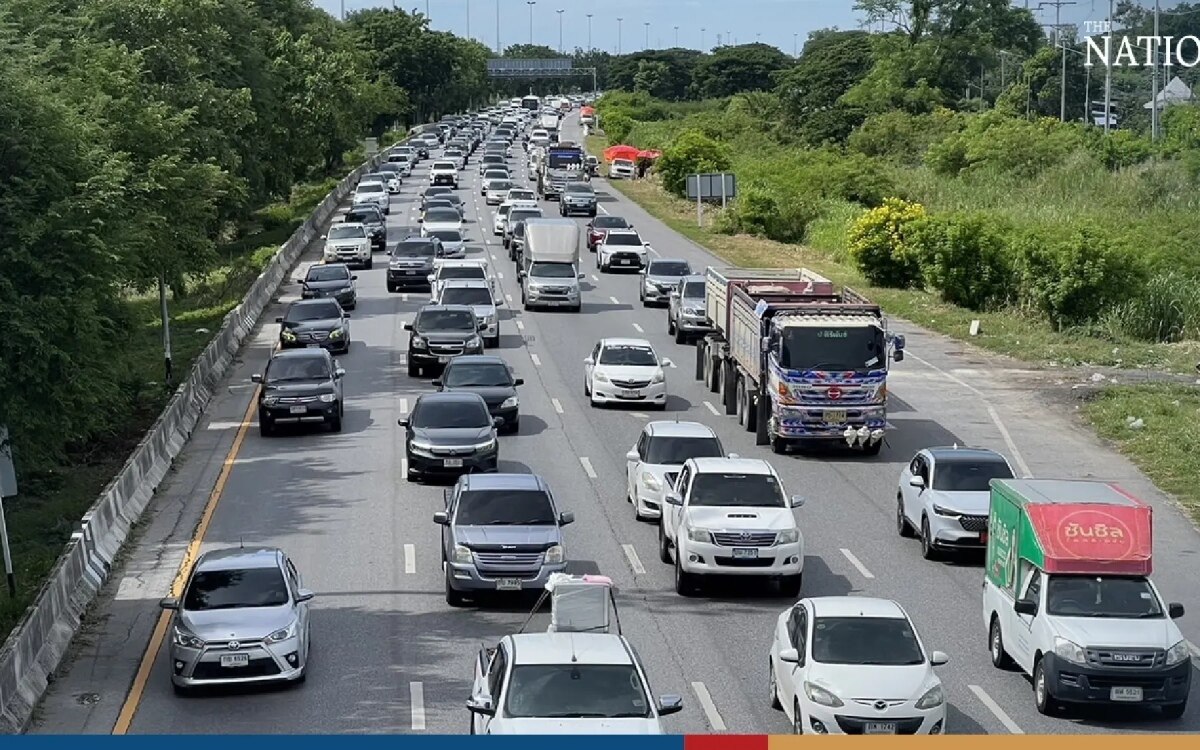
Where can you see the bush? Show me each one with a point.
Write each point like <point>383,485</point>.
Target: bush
<point>879,244</point>
<point>966,259</point>
<point>901,136</point>
<point>692,153</point>
<point>1071,281</point>
<point>1122,149</point>
<point>766,212</point>
<point>1166,310</point>
<point>992,142</point>
<point>616,127</point>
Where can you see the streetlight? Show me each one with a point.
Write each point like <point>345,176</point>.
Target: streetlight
<point>499,51</point>
<point>647,25</point>
<point>676,37</point>
<point>702,30</point>
<point>619,20</point>
<point>589,17</point>
<point>796,44</point>
<point>468,2</point>
<point>531,3</point>
<point>560,12</point>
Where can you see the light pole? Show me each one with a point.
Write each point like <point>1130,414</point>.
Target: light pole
<point>427,8</point>
<point>589,17</point>
<point>702,30</point>
<point>647,25</point>
<point>468,2</point>
<point>676,37</point>
<point>796,44</point>
<point>531,3</point>
<point>619,20</point>
<point>499,51</point>
<point>560,12</point>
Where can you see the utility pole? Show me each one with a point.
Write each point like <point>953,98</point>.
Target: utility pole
<point>468,2</point>
<point>1155,112</point>
<point>8,488</point>
<point>702,31</point>
<point>560,12</point>
<point>427,9</point>
<point>1058,27</point>
<point>796,44</point>
<point>343,10</point>
<point>1108,72</point>
<point>619,20</point>
<point>531,3</point>
<point>166,327</point>
<point>647,25</point>
<point>676,37</point>
<point>499,49</point>
<point>589,17</point>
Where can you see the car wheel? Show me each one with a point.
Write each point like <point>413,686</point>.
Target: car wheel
<point>1000,657</point>
<point>414,370</point>
<point>789,586</point>
<point>772,686</point>
<point>797,719</point>
<point>335,423</point>
<point>392,288</point>
<point>513,427</point>
<point>684,584</point>
<point>873,449</point>
<point>680,336</point>
<point>453,598</point>
<point>903,527</point>
<point>1045,702</point>
<point>369,264</point>
<point>637,511</point>
<point>927,549</point>
<point>1174,710</point>
<point>670,324</point>
<point>493,342</point>
<point>664,544</point>
<point>266,427</point>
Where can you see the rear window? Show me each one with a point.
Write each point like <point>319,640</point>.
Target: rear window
<point>414,250</point>
<point>624,240</point>
<point>610,222</point>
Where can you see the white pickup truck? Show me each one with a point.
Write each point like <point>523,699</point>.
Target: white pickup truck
<point>730,517</point>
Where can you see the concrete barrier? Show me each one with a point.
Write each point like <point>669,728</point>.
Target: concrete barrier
<point>32,652</point>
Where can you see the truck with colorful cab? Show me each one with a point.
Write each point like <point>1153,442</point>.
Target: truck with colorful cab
<point>1067,597</point>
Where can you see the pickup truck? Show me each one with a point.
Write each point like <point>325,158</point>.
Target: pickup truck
<point>444,173</point>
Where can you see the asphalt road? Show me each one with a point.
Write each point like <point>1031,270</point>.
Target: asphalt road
<point>390,656</point>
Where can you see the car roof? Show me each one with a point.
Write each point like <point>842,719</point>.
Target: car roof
<point>948,454</point>
<point>694,277</point>
<point>716,465</point>
<point>855,606</point>
<point>617,231</point>
<point>305,353</point>
<point>472,283</point>
<point>311,302</point>
<point>666,428</point>
<point>625,342</point>
<point>451,396</point>
<point>239,558</point>
<point>462,263</point>
<point>419,238</point>
<point>477,359</point>
<point>569,648</point>
<point>504,482</point>
<point>654,261</point>
<point>327,265</point>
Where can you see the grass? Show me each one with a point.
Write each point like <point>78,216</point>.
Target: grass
<point>42,518</point>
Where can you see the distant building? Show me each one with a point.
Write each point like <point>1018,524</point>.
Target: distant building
<point>1175,92</point>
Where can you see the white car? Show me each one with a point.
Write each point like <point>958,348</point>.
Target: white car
<point>495,173</point>
<point>521,195</point>
<point>444,172</point>
<point>348,243</point>
<point>944,497</point>
<point>456,155</point>
<point>479,296</point>
<point>440,219</point>
<point>454,242</point>
<point>500,221</point>
<point>656,458</point>
<point>854,665</point>
<point>625,371</point>
<point>473,270</point>
<point>621,169</point>
<point>373,191</point>
<point>495,191</point>
<point>622,248</point>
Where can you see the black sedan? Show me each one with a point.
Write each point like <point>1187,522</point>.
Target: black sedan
<point>450,434</point>
<point>491,378</point>
<point>438,191</point>
<point>315,323</point>
<point>300,386</point>
<point>330,281</point>
<point>369,215</point>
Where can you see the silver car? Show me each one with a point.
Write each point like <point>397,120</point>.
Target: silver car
<point>454,242</point>
<point>243,618</point>
<point>660,278</point>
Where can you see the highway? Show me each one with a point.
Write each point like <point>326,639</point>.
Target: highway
<point>390,656</point>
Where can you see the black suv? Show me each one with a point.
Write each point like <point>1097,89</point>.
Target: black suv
<point>300,386</point>
<point>440,333</point>
<point>312,323</point>
<point>412,262</point>
<point>369,215</point>
<point>450,434</point>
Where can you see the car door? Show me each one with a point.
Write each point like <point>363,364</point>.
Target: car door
<point>590,368</point>
<point>634,468</point>
<point>295,583</point>
<point>675,512</point>
<point>791,676</point>
<point>451,499</point>
<point>494,686</point>
<point>907,491</point>
<point>1020,632</point>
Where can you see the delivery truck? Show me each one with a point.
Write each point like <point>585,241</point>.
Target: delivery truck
<point>549,265</point>
<point>1067,597</point>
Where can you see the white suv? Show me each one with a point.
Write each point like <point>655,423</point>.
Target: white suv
<point>373,191</point>
<point>444,173</point>
<point>655,460</point>
<point>622,248</point>
<point>730,517</point>
<point>348,243</point>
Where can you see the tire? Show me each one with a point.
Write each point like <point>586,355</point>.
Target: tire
<point>453,598</point>
<point>493,342</point>
<point>1000,657</point>
<point>1174,710</point>
<point>680,336</point>
<point>513,427</point>
<point>392,289</point>
<point>729,380</point>
<point>789,586</point>
<point>903,528</point>
<point>772,687</point>
<point>873,449</point>
<point>928,551</point>
<point>266,428</point>
<point>797,720</point>
<point>335,424</point>
<point>684,581</point>
<point>670,325</point>
<point>778,445</point>
<point>751,424</point>
<point>762,418</point>
<point>664,546</point>
<point>414,371</point>
<point>1046,704</point>
<point>369,264</point>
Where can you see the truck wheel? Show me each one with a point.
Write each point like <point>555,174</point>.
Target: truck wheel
<point>684,581</point>
<point>664,546</point>
<point>701,346</point>
<point>715,369</point>
<point>680,336</point>
<point>453,598</point>
<point>1000,657</point>
<point>414,370</point>
<point>751,412</point>
<point>740,406</point>
<point>903,527</point>
<point>729,387</point>
<point>778,444</point>
<point>1045,702</point>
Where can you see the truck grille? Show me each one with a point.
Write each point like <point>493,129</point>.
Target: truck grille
<point>503,563</point>
<point>1126,658</point>
<point>285,400</point>
<point>976,524</point>
<point>744,538</point>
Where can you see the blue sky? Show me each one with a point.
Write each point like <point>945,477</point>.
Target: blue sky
<point>778,22</point>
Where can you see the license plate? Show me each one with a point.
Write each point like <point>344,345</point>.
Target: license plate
<point>880,727</point>
<point>235,660</point>
<point>443,360</point>
<point>745,553</point>
<point>410,273</point>
<point>622,262</point>
<point>508,584</point>
<point>1126,694</point>
<point>314,346</point>
<point>627,393</point>
<point>453,463</point>
<point>835,416</point>
<point>299,410</point>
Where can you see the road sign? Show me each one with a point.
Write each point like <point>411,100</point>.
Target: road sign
<point>720,186</point>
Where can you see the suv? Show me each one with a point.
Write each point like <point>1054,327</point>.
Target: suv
<point>348,243</point>
<point>444,173</point>
<point>433,193</point>
<point>300,386</point>
<point>440,333</point>
<point>373,191</point>
<point>369,215</point>
<point>478,295</point>
<point>445,270</point>
<point>661,278</point>
<point>621,247</point>
<point>577,197</point>
<point>450,434</point>
<point>500,532</point>
<point>412,262</point>
<point>686,314</point>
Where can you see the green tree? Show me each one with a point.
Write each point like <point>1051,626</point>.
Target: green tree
<point>831,63</point>
<point>731,70</point>
<point>693,152</point>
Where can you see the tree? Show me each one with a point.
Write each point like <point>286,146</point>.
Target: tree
<point>692,153</point>
<point>650,78</point>
<point>730,70</point>
<point>831,63</point>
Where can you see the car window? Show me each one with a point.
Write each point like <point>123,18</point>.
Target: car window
<point>572,690</point>
<point>442,214</point>
<point>343,232</point>
<point>609,222</point>
<point>737,490</point>
<point>328,273</point>
<point>283,369</point>
<point>643,441</point>
<point>504,508</point>
<point>445,320</point>
<point>628,356</point>
<point>448,235</point>
<point>552,270</point>
<point>477,375</point>
<point>293,579</point>
<point>1098,596</point>
<point>665,449</point>
<point>522,214</point>
<point>798,629</point>
<point>886,641</point>
<point>968,476</point>
<point>496,670</point>
<point>446,166</point>
<point>371,187</point>
<point>693,290</point>
<point>466,295</point>
<point>323,310</point>
<point>669,268</point>
<point>442,414</point>
<point>361,217</point>
<point>237,588</point>
<point>461,272</point>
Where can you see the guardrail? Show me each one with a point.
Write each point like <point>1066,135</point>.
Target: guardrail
<point>34,649</point>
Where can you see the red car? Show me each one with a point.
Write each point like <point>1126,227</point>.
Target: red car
<point>599,226</point>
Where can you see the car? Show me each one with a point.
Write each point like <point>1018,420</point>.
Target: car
<point>369,215</point>
<point>475,269</point>
<point>599,226</point>
<point>686,313</point>
<point>243,618</point>
<point>441,202</point>
<point>944,497</point>
<point>391,181</point>
<point>622,169</point>
<point>496,173</point>
<point>411,262</point>
<point>522,195</point>
<point>454,242</point>
<point>491,159</point>
<point>435,219</point>
<point>577,198</point>
<point>314,323</point>
<point>450,434</point>
<point>300,386</point>
<point>348,243</point>
<point>854,665</point>
<point>622,248</point>
<point>456,154</point>
<point>519,213</point>
<point>444,172</point>
<point>396,171</point>
<point>440,333</point>
<point>373,191</point>
<point>500,533</point>
<point>621,370</point>
<point>492,379</point>
<point>435,191</point>
<point>480,297</point>
<point>654,461</point>
<point>332,280</point>
<point>661,277</point>
<point>495,191</point>
<point>539,137</point>
<point>516,243</point>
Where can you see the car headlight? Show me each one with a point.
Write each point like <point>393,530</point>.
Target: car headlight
<point>659,377</point>
<point>1069,650</point>
<point>485,445</point>
<point>555,554</point>
<point>282,634</point>
<point>788,536</point>
<point>1178,653</point>
<point>510,403</point>
<point>941,511</point>
<point>337,333</point>
<point>474,342</point>
<point>287,335</point>
<point>651,482</point>
<point>270,400</point>
<point>821,696</point>
<point>328,398</point>
<point>184,638</point>
<point>600,376</point>
<point>421,446</point>
<point>932,698</point>
<point>700,535</point>
<point>462,555</point>
<point>418,342</point>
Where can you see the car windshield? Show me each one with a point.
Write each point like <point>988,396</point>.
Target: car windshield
<point>442,214</point>
<point>622,240</point>
<point>504,508</point>
<point>371,187</point>
<point>448,235</point>
<point>576,691</point>
<point>477,375</point>
<point>629,356</point>
<point>499,186</point>
<point>414,250</point>
<point>443,414</point>
<point>466,295</point>
<point>741,490</point>
<point>581,188</point>
<point>552,270</point>
<point>1102,596</point>
<point>610,222</point>
<point>676,450</point>
<point>362,217</point>
<point>328,273</point>
<point>968,476</point>
<point>323,310</point>
<point>347,233</point>
<point>522,214</point>
<point>430,192</point>
<point>493,159</point>
<point>297,368</point>
<point>669,268</point>
<point>883,641</point>
<point>833,348</point>
<point>446,166</point>
<point>622,163</point>
<point>236,589</point>
<point>445,320</point>
<point>461,272</point>
<point>693,290</point>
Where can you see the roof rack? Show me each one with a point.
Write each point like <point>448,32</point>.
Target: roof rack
<point>578,604</point>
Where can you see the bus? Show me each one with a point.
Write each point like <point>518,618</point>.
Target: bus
<point>531,102</point>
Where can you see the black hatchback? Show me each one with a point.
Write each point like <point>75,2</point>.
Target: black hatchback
<point>450,434</point>
<point>492,379</point>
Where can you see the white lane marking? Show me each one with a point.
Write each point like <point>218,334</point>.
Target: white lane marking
<point>712,408</point>
<point>603,210</point>
<point>404,297</point>
<point>417,691</point>
<point>994,707</point>
<point>499,275</point>
<point>587,467</point>
<point>223,425</point>
<point>410,559</point>
<point>404,466</point>
<point>710,708</point>
<point>638,328</point>
<point>508,297</point>
<point>520,326</point>
<point>557,405</point>
<point>862,569</point>
<point>615,301</point>
<point>635,562</point>
<point>404,406</point>
<point>537,361</point>
<point>995,416</point>
<point>595,278</point>
<point>639,415</point>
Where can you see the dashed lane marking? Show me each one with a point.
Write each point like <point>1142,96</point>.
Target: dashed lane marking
<point>615,301</point>
<point>587,467</point>
<point>638,328</point>
<point>710,708</point>
<point>404,406</point>
<point>417,692</point>
<point>635,562</point>
<point>520,326</point>
<point>410,559</point>
<point>537,361</point>
<point>712,409</point>
<point>595,278</point>
<point>862,569</point>
<point>994,707</point>
<point>557,405</point>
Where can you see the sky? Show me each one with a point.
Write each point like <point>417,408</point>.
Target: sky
<point>782,23</point>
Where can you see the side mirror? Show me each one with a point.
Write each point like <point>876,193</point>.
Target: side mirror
<point>304,595</point>
<point>256,378</point>
<point>408,326</point>
<point>898,355</point>
<point>441,518</point>
<point>436,383</point>
<point>797,501</point>
<point>279,320</point>
<point>322,236</point>
<point>734,455</point>
<point>582,276</point>
<point>346,315</point>
<point>589,361</point>
<point>938,658</point>
<point>642,272</point>
<point>673,498</point>
<point>566,517</point>
<point>666,362</point>
<point>481,326</point>
<point>402,421</point>
<point>421,221</point>
<point>429,278</point>
<point>354,277</point>
<point>790,656</point>
<point>169,602</point>
<point>632,456</point>
<point>669,704</point>
<point>518,381</point>
<point>497,421</point>
<point>339,373</point>
<point>1025,607</point>
<point>918,482</point>
<point>646,244</point>
<point>482,706</point>
<point>1175,610</point>
<point>498,301</point>
<point>898,342</point>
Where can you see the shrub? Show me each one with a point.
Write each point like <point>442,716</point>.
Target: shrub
<point>1071,281</point>
<point>1122,149</point>
<point>764,211</point>
<point>901,136</point>
<point>879,244</point>
<point>966,259</point>
<point>692,153</point>
<point>617,127</point>
<point>1166,310</point>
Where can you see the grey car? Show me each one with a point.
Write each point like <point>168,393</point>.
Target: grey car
<point>502,533</point>
<point>660,277</point>
<point>686,314</point>
<point>243,618</point>
<point>577,198</point>
<point>369,215</point>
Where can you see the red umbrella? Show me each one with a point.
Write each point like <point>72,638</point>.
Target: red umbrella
<point>621,152</point>
<point>649,154</point>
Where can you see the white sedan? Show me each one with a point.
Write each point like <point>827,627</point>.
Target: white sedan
<point>625,371</point>
<point>854,665</point>
<point>655,460</point>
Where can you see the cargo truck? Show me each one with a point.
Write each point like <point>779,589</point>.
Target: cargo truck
<point>1067,597</point>
<point>795,360</point>
<point>549,265</point>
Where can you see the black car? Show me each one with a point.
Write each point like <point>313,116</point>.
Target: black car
<point>369,215</point>
<point>315,323</point>
<point>301,386</point>
<point>412,262</point>
<point>492,379</point>
<point>330,280</point>
<point>441,333</point>
<point>450,434</point>
<point>441,191</point>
